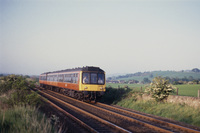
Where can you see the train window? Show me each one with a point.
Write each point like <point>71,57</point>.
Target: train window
<point>60,78</point>
<point>70,78</point>
<point>76,77</point>
<point>93,78</point>
<point>101,78</point>
<point>86,78</point>
<point>55,78</point>
<point>74,80</point>
<point>67,78</point>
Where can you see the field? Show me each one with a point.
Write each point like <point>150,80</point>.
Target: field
<point>131,86</point>
<point>183,90</point>
<point>188,90</point>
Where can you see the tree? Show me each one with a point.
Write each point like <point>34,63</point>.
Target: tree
<point>151,76</point>
<point>146,81</point>
<point>160,88</point>
<point>196,70</point>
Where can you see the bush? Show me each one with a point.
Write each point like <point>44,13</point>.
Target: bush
<point>113,95</point>
<point>160,88</point>
<point>21,93</point>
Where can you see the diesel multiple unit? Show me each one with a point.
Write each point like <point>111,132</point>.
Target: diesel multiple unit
<point>86,83</point>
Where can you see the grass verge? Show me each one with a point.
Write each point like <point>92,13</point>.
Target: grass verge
<point>129,98</point>
<point>178,112</point>
<point>21,119</point>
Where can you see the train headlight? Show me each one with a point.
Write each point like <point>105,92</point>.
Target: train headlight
<point>101,88</point>
<point>86,87</point>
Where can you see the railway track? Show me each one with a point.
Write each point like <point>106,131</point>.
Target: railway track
<point>90,122</point>
<point>127,121</point>
<point>148,118</point>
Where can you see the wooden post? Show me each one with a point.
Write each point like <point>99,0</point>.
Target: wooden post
<point>141,89</point>
<point>198,93</point>
<point>177,91</point>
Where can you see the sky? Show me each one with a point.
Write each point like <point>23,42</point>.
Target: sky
<point>119,36</point>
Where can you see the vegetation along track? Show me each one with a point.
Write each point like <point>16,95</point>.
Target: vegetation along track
<point>90,122</point>
<point>129,120</point>
<point>162,122</point>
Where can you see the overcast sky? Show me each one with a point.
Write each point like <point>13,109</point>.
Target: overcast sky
<point>119,36</point>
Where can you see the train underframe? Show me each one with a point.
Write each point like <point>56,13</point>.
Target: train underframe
<point>90,96</point>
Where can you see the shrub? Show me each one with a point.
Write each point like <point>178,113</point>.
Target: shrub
<point>113,95</point>
<point>21,94</point>
<point>160,88</point>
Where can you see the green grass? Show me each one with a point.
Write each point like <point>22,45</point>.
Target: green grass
<point>188,90</point>
<point>129,98</point>
<point>136,87</point>
<point>18,113</point>
<point>184,90</point>
<point>21,119</point>
<point>182,113</point>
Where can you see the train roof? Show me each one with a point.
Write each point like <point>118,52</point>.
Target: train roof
<point>87,68</point>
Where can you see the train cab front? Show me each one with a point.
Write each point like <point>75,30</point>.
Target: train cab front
<point>93,84</point>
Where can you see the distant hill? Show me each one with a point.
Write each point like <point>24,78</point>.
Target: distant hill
<point>193,74</point>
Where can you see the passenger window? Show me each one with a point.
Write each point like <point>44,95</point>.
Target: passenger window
<point>56,78</point>
<point>60,78</point>
<point>65,78</point>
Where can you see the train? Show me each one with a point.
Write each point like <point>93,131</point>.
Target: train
<point>83,83</point>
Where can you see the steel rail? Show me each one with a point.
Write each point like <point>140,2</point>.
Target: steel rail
<point>119,115</point>
<point>70,116</point>
<point>86,113</point>
<point>150,118</point>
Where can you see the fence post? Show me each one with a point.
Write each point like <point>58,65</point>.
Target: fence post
<point>118,86</point>
<point>177,91</point>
